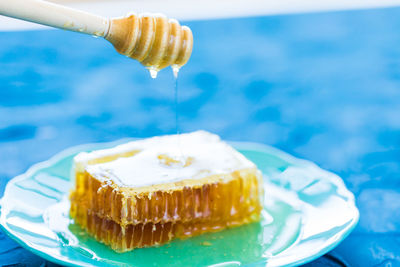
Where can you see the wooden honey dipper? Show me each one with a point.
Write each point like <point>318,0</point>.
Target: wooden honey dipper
<point>152,39</point>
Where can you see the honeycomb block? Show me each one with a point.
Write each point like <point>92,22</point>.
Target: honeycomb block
<point>209,186</point>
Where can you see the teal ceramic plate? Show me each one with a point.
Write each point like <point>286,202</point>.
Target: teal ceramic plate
<point>307,212</point>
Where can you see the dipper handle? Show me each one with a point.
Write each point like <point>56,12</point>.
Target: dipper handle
<point>54,15</point>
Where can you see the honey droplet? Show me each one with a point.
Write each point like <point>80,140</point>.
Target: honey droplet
<point>175,70</point>
<point>153,73</point>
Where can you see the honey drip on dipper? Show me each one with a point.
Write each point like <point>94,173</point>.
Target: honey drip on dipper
<point>153,40</point>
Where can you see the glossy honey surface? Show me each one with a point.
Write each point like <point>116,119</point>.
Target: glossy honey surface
<point>145,165</point>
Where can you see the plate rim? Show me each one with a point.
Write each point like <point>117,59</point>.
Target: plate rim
<point>236,144</point>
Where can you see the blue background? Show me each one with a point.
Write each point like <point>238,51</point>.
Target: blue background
<point>325,87</point>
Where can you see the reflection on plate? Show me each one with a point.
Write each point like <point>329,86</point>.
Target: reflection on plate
<point>307,212</point>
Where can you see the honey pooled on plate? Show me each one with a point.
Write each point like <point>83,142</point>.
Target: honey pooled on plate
<point>148,192</point>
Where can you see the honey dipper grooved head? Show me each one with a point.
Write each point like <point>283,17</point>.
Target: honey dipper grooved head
<point>154,40</point>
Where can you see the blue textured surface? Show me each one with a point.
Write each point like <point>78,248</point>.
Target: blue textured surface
<point>325,87</point>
